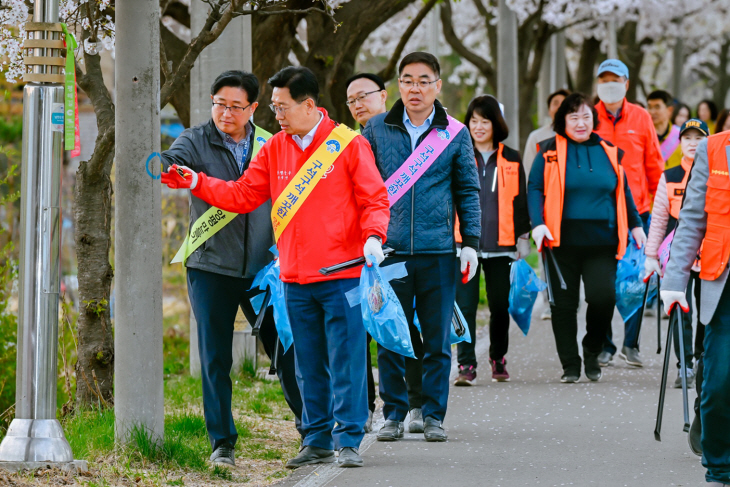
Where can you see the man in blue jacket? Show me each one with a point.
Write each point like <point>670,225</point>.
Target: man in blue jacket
<point>421,231</point>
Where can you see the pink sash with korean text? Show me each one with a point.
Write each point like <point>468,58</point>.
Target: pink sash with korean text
<point>421,159</point>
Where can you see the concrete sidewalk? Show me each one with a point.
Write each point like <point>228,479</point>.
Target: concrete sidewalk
<point>536,431</point>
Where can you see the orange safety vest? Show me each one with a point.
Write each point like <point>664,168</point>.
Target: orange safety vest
<point>676,187</point>
<point>716,245</point>
<point>554,191</point>
<point>508,188</point>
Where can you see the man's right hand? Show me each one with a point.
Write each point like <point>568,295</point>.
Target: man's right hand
<point>540,233</point>
<point>674,298</point>
<point>179,177</point>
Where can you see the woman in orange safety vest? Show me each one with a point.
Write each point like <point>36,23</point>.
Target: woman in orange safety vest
<point>581,207</point>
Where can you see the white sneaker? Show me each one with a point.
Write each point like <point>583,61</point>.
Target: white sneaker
<point>546,315</point>
<point>415,425</point>
<point>369,423</point>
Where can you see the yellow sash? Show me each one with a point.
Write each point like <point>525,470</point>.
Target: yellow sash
<point>213,220</point>
<point>304,181</point>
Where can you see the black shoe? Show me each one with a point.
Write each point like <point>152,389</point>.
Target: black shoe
<point>391,431</point>
<point>433,431</point>
<point>570,377</point>
<point>592,367</point>
<point>349,457</point>
<point>224,454</point>
<point>695,434</point>
<point>310,455</point>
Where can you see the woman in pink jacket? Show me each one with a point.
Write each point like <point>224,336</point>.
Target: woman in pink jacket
<point>667,203</point>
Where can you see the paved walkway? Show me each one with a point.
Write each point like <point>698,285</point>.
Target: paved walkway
<point>535,431</point>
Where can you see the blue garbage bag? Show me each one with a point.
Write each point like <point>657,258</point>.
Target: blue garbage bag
<point>457,314</point>
<point>630,284</point>
<point>268,277</point>
<point>523,290</point>
<point>382,314</point>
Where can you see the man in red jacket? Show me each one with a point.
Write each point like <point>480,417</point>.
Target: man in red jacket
<point>629,127</point>
<point>330,205</point>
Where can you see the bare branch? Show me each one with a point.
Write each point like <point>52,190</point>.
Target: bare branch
<point>389,70</point>
<point>484,66</point>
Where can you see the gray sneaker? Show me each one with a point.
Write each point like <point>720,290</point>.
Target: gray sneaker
<point>433,431</point>
<point>415,425</point>
<point>310,455</point>
<point>369,423</point>
<point>631,356</point>
<point>690,378</point>
<point>349,458</point>
<point>224,454</point>
<point>605,359</point>
<point>391,431</point>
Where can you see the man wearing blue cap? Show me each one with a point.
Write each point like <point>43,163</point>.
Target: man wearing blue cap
<point>629,127</point>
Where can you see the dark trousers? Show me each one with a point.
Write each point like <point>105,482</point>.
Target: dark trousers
<point>496,277</point>
<point>215,299</point>
<point>631,326</point>
<point>715,399</point>
<point>689,355</point>
<point>330,342</point>
<point>596,265</point>
<point>430,281</point>
<point>370,377</point>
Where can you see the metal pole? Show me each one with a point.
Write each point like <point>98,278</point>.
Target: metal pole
<point>612,42</point>
<point>138,371</point>
<point>35,435</point>
<point>677,65</point>
<point>507,71</point>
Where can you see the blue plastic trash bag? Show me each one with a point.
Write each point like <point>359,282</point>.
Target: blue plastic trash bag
<point>382,313</point>
<point>523,290</point>
<point>268,277</point>
<point>457,314</point>
<point>630,284</point>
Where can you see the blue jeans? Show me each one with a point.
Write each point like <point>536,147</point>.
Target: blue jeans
<point>715,398</point>
<point>631,326</point>
<point>431,280</point>
<point>330,353</point>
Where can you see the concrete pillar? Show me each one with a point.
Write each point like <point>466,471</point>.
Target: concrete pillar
<point>507,71</point>
<point>232,50</point>
<point>138,373</point>
<point>560,65</point>
<point>612,41</point>
<point>546,85</point>
<point>677,66</point>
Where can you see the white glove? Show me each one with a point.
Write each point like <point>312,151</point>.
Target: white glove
<point>670,298</point>
<point>523,246</point>
<point>651,266</point>
<point>373,250</point>
<point>639,236</point>
<point>469,261</point>
<point>539,233</point>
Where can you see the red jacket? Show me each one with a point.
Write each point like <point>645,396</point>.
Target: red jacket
<point>634,133</point>
<point>348,205</point>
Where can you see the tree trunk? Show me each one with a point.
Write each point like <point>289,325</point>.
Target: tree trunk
<point>631,52</point>
<point>589,54</point>
<point>722,83</point>
<point>92,220</point>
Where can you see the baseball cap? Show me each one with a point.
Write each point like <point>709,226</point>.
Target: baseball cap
<point>613,66</point>
<point>697,124</point>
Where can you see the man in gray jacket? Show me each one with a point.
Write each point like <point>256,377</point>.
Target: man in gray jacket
<point>221,267</point>
<point>704,221</point>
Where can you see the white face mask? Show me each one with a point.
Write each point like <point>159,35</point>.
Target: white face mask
<point>612,92</point>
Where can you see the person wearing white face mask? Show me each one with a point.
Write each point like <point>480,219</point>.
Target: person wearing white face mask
<point>630,128</point>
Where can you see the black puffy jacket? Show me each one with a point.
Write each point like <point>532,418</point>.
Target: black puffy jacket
<point>422,221</point>
<point>241,248</point>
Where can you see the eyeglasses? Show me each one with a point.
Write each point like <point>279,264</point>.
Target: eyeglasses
<point>282,110</point>
<point>407,83</point>
<point>360,98</point>
<point>235,110</point>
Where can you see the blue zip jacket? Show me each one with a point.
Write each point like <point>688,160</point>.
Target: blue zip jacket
<point>422,221</point>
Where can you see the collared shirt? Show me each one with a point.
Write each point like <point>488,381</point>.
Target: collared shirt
<point>238,149</point>
<point>615,118</point>
<point>303,142</point>
<point>416,132</point>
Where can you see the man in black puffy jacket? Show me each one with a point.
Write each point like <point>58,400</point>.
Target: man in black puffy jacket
<point>421,232</point>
